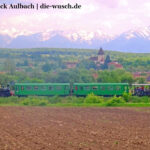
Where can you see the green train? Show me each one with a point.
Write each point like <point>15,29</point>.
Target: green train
<point>42,89</point>
<point>65,89</point>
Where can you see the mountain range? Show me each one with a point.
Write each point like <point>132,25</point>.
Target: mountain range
<point>132,41</point>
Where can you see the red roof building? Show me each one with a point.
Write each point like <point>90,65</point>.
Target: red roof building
<point>136,74</point>
<point>95,76</point>
<point>70,65</point>
<point>115,64</point>
<point>145,75</point>
<point>2,72</point>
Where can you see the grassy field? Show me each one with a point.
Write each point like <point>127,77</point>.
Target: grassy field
<point>84,105</point>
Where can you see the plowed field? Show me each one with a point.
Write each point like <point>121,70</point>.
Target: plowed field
<point>46,128</point>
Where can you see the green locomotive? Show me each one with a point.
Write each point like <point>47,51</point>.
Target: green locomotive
<point>65,89</point>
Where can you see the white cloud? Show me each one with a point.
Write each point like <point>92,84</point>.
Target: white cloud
<point>123,3</point>
<point>109,16</point>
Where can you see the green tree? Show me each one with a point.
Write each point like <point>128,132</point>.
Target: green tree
<point>46,67</point>
<point>141,80</point>
<point>87,64</point>
<point>6,79</point>
<point>9,66</point>
<point>115,76</point>
<point>107,61</point>
<point>26,63</point>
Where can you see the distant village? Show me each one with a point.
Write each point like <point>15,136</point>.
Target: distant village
<point>98,60</point>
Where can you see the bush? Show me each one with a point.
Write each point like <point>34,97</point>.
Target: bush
<point>145,99</point>
<point>79,100</point>
<point>115,100</point>
<point>72,99</point>
<point>54,99</point>
<point>91,98</point>
<point>68,99</point>
<point>34,102</point>
<point>136,99</point>
<point>6,100</point>
<point>127,96</point>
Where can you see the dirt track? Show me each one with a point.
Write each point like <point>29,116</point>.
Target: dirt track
<point>45,128</point>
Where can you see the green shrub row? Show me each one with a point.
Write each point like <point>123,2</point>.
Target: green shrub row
<point>89,99</point>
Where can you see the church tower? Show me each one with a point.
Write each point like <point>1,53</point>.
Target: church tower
<point>101,57</point>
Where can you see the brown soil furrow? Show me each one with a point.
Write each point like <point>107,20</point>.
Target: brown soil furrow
<point>37,128</point>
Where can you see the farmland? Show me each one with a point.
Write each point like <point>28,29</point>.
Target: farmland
<point>74,128</point>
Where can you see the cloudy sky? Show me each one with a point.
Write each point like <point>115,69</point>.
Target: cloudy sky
<point>110,17</point>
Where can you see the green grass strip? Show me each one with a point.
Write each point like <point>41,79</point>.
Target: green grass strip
<point>84,105</point>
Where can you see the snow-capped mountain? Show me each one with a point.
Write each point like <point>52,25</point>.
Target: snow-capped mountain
<point>5,40</point>
<point>139,32</point>
<point>137,40</point>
